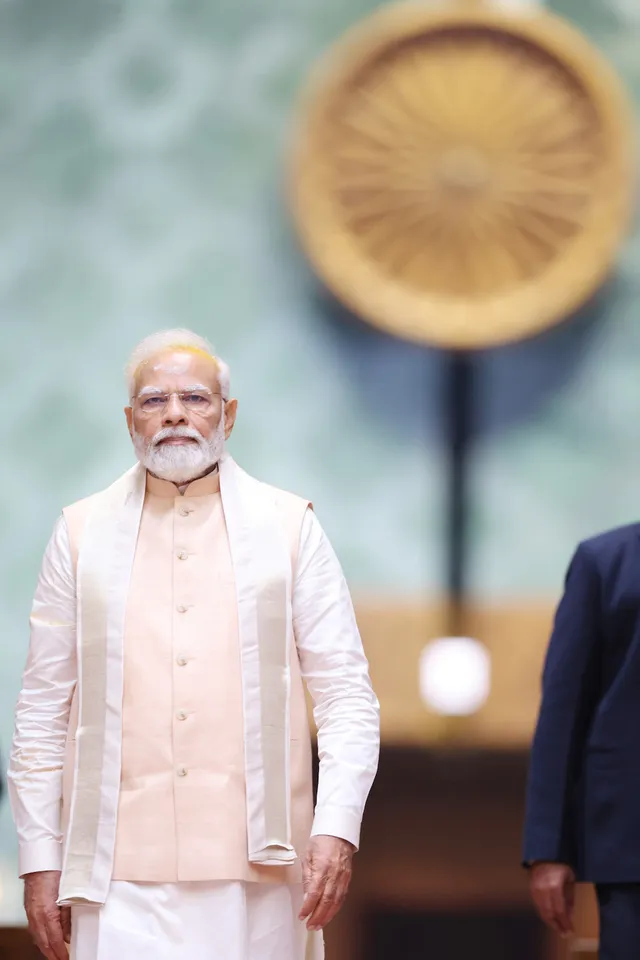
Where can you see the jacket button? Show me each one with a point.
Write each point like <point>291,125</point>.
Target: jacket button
<point>182,771</point>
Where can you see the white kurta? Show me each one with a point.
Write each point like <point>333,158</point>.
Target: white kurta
<point>335,670</point>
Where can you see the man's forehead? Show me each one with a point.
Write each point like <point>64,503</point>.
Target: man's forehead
<point>176,364</point>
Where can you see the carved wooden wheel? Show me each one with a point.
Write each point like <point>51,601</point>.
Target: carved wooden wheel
<point>463,177</point>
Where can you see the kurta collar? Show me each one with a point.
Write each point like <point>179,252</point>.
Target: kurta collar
<point>198,488</point>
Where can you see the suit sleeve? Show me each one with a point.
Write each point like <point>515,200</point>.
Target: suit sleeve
<point>42,713</point>
<point>570,683</point>
<point>336,672</point>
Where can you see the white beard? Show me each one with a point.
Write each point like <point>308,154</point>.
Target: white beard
<point>183,463</point>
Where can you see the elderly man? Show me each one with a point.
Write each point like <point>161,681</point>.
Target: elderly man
<point>160,774</point>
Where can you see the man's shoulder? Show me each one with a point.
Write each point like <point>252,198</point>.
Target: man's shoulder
<point>75,515</point>
<point>610,544</point>
<point>81,507</point>
<point>286,499</point>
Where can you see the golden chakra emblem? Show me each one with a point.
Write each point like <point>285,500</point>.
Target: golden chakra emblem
<point>464,176</point>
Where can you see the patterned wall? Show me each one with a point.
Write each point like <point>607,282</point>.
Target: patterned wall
<point>559,457</point>
<point>141,159</point>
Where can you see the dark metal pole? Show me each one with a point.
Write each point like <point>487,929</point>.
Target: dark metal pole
<point>459,413</point>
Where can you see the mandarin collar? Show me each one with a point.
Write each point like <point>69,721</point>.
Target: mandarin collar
<point>203,487</point>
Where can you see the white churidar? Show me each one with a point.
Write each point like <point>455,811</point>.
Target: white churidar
<point>194,921</point>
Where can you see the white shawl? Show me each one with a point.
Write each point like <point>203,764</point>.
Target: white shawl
<point>262,571</point>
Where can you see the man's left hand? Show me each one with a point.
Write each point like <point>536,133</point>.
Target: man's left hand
<point>326,874</point>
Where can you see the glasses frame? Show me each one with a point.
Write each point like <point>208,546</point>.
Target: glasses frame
<point>160,409</point>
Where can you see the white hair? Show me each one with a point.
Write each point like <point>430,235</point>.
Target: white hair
<point>175,340</point>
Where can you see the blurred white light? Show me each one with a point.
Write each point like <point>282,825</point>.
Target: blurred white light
<point>455,676</point>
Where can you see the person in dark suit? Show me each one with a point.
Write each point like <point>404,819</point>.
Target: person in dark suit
<point>583,797</point>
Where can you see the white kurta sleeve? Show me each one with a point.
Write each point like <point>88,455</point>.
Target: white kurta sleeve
<point>42,713</point>
<point>335,669</point>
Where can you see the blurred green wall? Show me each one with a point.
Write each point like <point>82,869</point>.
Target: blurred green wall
<point>570,466</point>
<point>141,174</point>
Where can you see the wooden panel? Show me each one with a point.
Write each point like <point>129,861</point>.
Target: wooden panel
<point>584,950</point>
<point>16,944</point>
<point>584,946</point>
<point>516,635</point>
<point>586,916</point>
<point>517,638</point>
<point>394,636</point>
<point>442,834</point>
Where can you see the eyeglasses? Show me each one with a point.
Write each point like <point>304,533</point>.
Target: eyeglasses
<point>199,401</point>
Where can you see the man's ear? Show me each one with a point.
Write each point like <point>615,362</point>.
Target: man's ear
<point>230,412</point>
<point>128,412</point>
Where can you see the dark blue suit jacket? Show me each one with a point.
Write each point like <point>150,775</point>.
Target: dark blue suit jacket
<point>583,796</point>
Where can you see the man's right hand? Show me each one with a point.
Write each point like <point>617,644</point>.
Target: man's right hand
<point>49,924</point>
<point>552,888</point>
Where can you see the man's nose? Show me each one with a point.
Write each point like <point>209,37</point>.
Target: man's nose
<point>174,412</point>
